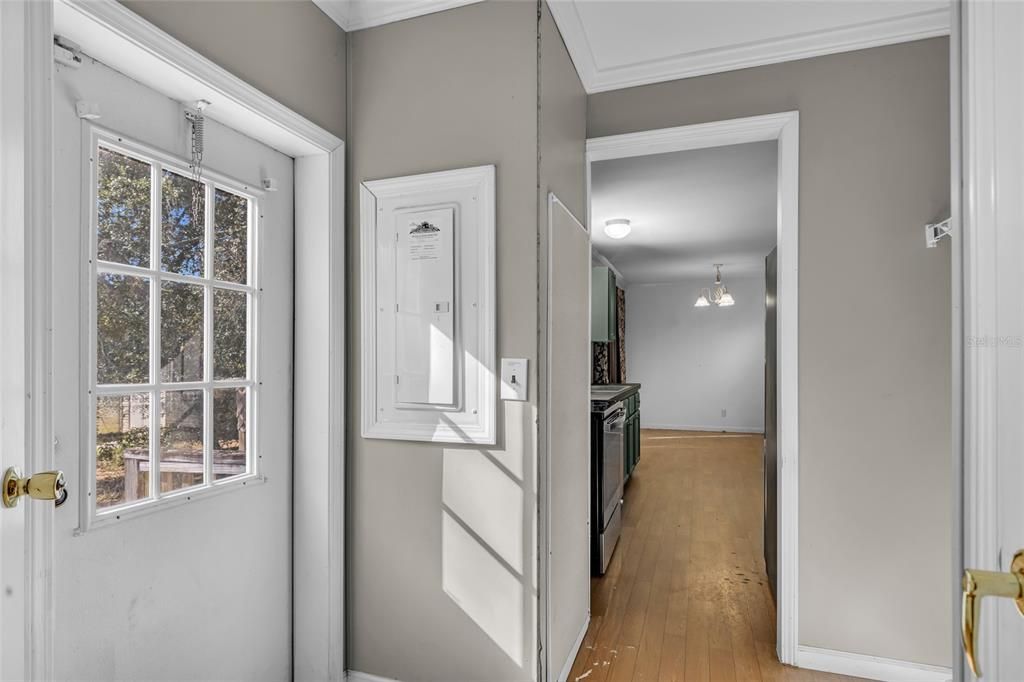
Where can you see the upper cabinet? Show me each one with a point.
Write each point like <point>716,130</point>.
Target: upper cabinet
<point>602,304</point>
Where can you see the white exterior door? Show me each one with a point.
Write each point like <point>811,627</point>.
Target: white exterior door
<point>992,62</point>
<point>172,365</point>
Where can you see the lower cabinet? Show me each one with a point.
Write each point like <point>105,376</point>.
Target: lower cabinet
<point>632,433</point>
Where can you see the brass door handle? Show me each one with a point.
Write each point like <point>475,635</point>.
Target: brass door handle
<point>48,485</point>
<point>978,584</point>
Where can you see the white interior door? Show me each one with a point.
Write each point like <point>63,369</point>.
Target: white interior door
<point>173,366</point>
<point>992,61</point>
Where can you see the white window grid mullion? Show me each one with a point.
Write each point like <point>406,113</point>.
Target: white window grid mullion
<point>120,389</point>
<point>254,224</point>
<point>208,270</point>
<point>89,463</point>
<point>155,275</point>
<point>155,395</point>
<point>106,267</point>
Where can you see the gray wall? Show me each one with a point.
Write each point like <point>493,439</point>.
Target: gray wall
<point>563,122</point>
<point>563,348</point>
<point>442,91</point>
<point>289,50</point>
<point>875,378</point>
<point>695,362</point>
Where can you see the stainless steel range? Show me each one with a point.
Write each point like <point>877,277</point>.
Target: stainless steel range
<point>609,479</point>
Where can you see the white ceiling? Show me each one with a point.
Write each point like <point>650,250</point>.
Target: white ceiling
<point>621,43</point>
<point>353,15</point>
<point>688,209</point>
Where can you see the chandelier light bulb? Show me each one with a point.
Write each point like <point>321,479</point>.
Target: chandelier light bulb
<point>717,294</point>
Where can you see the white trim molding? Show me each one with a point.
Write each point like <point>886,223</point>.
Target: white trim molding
<point>356,676</point>
<point>111,33</point>
<point>563,676</point>
<point>915,26</point>
<point>869,667</point>
<point>785,129</point>
<point>354,15</point>
<point>992,102</point>
<point>705,429</point>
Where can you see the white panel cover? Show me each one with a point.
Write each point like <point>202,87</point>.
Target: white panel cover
<point>425,278</point>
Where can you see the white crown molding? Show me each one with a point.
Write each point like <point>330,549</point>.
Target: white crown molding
<point>928,24</point>
<point>354,15</point>
<point>869,667</point>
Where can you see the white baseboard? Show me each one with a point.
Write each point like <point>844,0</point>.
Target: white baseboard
<point>356,676</point>
<point>871,667</point>
<point>567,668</point>
<point>714,429</point>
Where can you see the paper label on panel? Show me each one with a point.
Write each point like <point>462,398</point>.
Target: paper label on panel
<point>425,286</point>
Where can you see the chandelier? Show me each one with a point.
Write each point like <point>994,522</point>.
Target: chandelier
<point>718,294</point>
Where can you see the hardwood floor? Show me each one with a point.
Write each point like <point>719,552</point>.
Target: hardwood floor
<point>686,596</point>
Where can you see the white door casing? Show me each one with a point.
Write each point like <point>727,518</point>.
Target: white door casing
<point>992,109</point>
<point>785,129</point>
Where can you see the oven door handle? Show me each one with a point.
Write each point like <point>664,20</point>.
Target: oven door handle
<point>616,422</point>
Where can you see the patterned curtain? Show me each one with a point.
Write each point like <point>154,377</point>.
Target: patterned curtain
<point>601,371</point>
<point>620,315</point>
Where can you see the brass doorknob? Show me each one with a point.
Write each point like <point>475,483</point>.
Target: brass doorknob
<point>48,485</point>
<point>978,584</point>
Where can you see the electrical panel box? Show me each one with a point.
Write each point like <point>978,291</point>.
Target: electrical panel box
<point>428,304</point>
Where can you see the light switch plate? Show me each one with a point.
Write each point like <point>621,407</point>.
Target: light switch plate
<point>513,378</point>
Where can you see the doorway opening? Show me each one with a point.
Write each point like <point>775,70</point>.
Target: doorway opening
<point>694,317</point>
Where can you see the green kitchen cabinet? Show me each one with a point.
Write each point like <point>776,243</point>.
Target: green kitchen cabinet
<point>632,433</point>
<point>602,304</point>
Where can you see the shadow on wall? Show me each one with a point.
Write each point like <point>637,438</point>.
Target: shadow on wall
<point>486,568</point>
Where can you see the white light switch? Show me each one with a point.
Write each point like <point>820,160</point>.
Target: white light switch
<point>513,378</point>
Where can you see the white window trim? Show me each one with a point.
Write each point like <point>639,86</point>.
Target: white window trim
<point>93,517</point>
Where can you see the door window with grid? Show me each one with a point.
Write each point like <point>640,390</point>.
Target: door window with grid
<point>173,304</point>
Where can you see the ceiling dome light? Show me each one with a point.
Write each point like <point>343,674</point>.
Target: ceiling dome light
<point>617,228</point>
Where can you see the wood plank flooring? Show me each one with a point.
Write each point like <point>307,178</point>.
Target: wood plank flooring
<point>686,596</point>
